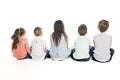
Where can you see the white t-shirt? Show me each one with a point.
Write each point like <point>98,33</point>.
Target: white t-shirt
<point>102,44</point>
<point>38,45</point>
<point>81,44</point>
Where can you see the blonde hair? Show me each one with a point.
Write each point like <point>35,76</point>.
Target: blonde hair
<point>38,31</point>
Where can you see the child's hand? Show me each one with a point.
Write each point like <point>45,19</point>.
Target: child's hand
<point>90,46</point>
<point>44,49</point>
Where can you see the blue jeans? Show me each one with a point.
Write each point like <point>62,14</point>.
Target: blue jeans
<point>111,53</point>
<point>47,54</point>
<point>84,59</point>
<point>27,56</point>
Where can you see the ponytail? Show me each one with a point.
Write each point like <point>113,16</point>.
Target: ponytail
<point>15,38</point>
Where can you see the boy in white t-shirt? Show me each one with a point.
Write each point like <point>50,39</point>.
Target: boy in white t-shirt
<point>82,45</point>
<point>102,42</point>
<point>38,45</point>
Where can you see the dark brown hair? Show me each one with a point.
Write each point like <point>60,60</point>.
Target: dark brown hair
<point>58,31</point>
<point>103,25</point>
<point>38,31</point>
<point>22,31</point>
<point>15,37</point>
<point>82,29</point>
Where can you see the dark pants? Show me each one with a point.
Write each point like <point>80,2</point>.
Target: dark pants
<point>27,56</point>
<point>47,54</point>
<point>93,58</point>
<point>84,59</point>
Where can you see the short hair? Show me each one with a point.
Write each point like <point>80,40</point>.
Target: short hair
<point>103,25</point>
<point>82,29</point>
<point>38,31</point>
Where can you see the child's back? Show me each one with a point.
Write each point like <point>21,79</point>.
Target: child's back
<point>102,43</point>
<point>21,50</point>
<point>38,45</point>
<point>60,51</point>
<point>20,46</point>
<point>82,44</point>
<point>59,42</point>
<point>37,51</point>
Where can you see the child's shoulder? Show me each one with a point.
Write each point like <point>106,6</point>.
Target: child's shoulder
<point>39,38</point>
<point>23,39</point>
<point>105,35</point>
<point>82,37</point>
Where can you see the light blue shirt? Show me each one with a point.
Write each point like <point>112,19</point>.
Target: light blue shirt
<point>60,51</point>
<point>81,44</point>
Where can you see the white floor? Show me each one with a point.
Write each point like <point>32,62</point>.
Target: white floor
<point>12,69</point>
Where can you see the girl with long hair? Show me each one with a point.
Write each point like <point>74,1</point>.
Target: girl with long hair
<point>59,42</point>
<point>20,47</point>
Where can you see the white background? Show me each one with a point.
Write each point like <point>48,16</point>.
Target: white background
<point>31,13</point>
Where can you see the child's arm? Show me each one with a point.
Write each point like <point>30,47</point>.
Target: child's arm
<point>44,47</point>
<point>51,39</point>
<point>27,46</point>
<point>67,42</point>
<point>30,48</point>
<point>90,44</point>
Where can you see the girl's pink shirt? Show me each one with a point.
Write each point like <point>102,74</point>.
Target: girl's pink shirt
<point>21,50</point>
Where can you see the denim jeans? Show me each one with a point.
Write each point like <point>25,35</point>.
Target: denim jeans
<point>111,53</point>
<point>27,56</point>
<point>47,54</point>
<point>84,59</point>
